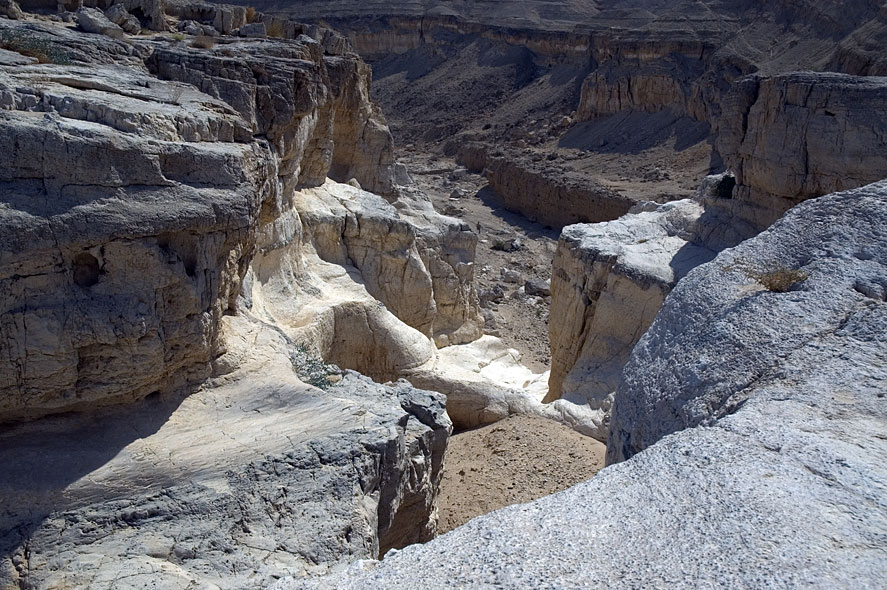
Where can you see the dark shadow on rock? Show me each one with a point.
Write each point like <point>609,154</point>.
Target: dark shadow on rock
<point>688,257</point>
<point>40,459</point>
<point>632,132</point>
<point>531,228</point>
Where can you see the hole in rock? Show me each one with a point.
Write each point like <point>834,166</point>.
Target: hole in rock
<point>86,269</point>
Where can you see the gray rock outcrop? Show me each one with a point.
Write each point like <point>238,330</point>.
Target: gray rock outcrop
<point>792,137</point>
<point>608,282</point>
<point>255,476</point>
<point>754,424</point>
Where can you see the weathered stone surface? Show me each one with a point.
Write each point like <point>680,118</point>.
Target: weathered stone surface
<point>608,282</point>
<point>116,260</point>
<point>10,9</point>
<point>120,16</point>
<point>779,484</point>
<point>543,194</point>
<point>256,30</point>
<point>255,476</point>
<point>92,20</point>
<point>150,235</point>
<point>796,136</point>
<point>730,340</point>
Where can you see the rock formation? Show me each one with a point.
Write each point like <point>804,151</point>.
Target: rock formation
<point>608,282</point>
<point>540,192</point>
<point>528,73</point>
<point>754,425</point>
<point>801,135</point>
<point>172,256</point>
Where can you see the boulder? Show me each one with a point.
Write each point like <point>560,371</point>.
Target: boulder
<point>118,14</point>
<point>93,20</point>
<point>538,288</point>
<point>256,30</point>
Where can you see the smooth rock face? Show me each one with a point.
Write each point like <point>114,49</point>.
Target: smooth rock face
<point>608,282</point>
<point>255,476</point>
<point>778,480</point>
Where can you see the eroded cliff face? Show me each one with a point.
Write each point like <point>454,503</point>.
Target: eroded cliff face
<point>795,136</point>
<point>172,253</point>
<point>608,282</point>
<point>744,412</point>
<point>509,73</point>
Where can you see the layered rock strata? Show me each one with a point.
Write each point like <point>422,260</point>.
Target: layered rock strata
<point>744,411</point>
<point>540,193</point>
<point>791,137</point>
<point>254,476</point>
<point>167,225</point>
<point>608,282</point>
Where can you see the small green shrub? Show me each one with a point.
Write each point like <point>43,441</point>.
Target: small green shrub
<point>178,37</point>
<point>313,370</point>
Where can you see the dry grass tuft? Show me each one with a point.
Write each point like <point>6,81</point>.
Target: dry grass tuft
<point>276,29</point>
<point>779,280</point>
<point>204,42</point>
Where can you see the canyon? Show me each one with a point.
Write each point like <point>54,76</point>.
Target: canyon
<point>244,313</point>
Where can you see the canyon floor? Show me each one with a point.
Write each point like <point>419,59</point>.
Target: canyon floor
<point>512,461</point>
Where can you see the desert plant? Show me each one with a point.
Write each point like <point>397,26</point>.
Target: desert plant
<point>179,37</point>
<point>276,29</point>
<point>777,278</point>
<point>175,95</point>
<point>313,370</point>
<point>250,14</point>
<point>203,42</point>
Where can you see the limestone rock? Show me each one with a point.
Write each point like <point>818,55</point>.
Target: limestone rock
<point>128,266</point>
<point>541,194</point>
<point>121,17</point>
<point>538,288</point>
<point>802,135</point>
<point>255,30</point>
<point>720,361</point>
<point>778,484</point>
<point>608,282</point>
<point>255,476</point>
<point>92,20</point>
<point>229,18</point>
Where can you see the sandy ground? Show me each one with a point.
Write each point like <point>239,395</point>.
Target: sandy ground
<point>520,321</point>
<point>513,461</point>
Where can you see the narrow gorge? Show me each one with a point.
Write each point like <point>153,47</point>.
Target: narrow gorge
<point>292,291</point>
